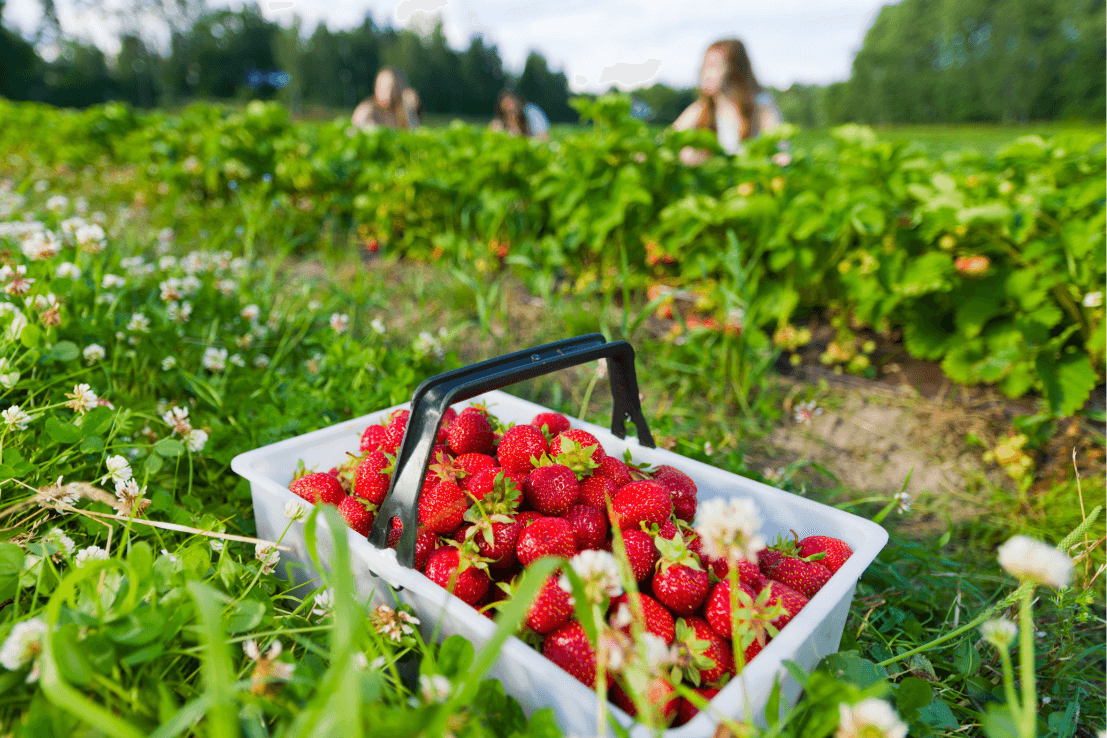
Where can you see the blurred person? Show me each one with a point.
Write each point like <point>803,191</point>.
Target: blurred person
<point>390,105</point>
<point>414,102</point>
<point>520,118</point>
<point>731,102</point>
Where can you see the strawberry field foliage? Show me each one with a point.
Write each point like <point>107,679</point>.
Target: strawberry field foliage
<point>993,266</point>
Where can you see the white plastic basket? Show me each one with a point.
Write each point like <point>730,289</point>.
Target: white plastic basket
<point>526,675</point>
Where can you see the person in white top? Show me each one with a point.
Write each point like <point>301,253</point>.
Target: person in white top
<point>731,102</point>
<point>519,118</point>
<point>393,104</point>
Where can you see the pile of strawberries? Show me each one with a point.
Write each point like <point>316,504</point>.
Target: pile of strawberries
<point>497,498</point>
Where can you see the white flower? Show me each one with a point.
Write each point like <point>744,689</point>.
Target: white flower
<point>92,553</point>
<point>7,378</point>
<point>195,440</point>
<point>81,399</point>
<point>215,359</point>
<point>601,368</point>
<point>19,282</point>
<point>1000,632</point>
<point>250,313</point>
<point>708,448</point>
<point>111,281</point>
<point>268,666</point>
<point>1039,562</point>
<point>58,537</point>
<point>170,289</point>
<point>94,352</point>
<point>314,305</point>
<point>269,557</point>
<point>392,624</point>
<point>130,495</point>
<point>165,236</point>
<point>23,646</point>
<point>324,601</point>
<point>295,510</point>
<point>19,322</point>
<point>177,419</point>
<point>903,501</point>
<point>42,186</point>
<point>139,323</point>
<point>340,322</point>
<point>191,284</point>
<point>436,688</point>
<point>598,571</point>
<point>377,324</point>
<point>237,360</point>
<point>782,159</point>
<point>68,270</point>
<point>261,361</point>
<point>168,363</point>
<point>216,544</point>
<point>773,475</point>
<point>1093,299</point>
<point>869,718</point>
<point>119,469</point>
<point>806,411</point>
<point>729,528</point>
<point>169,556</point>
<point>15,418</point>
<point>226,286</point>
<point>179,312</point>
<point>57,203</point>
<point>41,245</point>
<point>427,345</point>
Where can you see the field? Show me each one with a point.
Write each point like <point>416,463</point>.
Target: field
<point>214,282</point>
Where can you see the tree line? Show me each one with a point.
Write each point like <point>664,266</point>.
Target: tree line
<point>923,61</point>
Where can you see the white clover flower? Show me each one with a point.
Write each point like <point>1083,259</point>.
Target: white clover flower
<point>167,262</point>
<point>1093,299</point>
<point>57,203</point>
<point>324,601</point>
<point>226,286</point>
<point>23,646</point>
<point>268,665</point>
<point>168,363</point>
<point>42,186</point>
<point>237,360</point>
<point>68,270</point>
<point>250,313</point>
<point>81,399</point>
<point>18,283</point>
<point>94,352</point>
<point>773,475</point>
<point>1036,561</point>
<point>191,284</point>
<point>171,557</point>
<point>165,236</point>
<point>69,226</point>
<point>601,368</point>
<point>19,322</point>
<point>111,281</point>
<point>8,377</point>
<point>58,537</point>
<point>269,557</point>
<point>139,323</point>
<point>170,290</point>
<point>80,205</point>
<point>340,322</point>
<point>782,158</point>
<point>261,361</point>
<point>427,345</point>
<point>903,502</point>
<point>314,305</point>
<point>657,653</point>
<point>599,572</point>
<point>806,411</point>
<point>216,544</point>
<point>41,245</point>
<point>130,495</point>
<point>708,448</point>
<point>869,718</point>
<point>295,510</point>
<point>196,440</point>
<point>377,324</point>
<point>435,688</point>
<point>15,418</point>
<point>177,419</point>
<point>1000,632</point>
<point>392,624</point>
<point>179,312</point>
<point>729,529</point>
<point>91,553</point>
<point>215,359</point>
<point>119,469</point>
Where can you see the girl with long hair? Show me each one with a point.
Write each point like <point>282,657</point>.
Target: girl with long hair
<point>519,118</point>
<point>391,104</point>
<point>731,102</point>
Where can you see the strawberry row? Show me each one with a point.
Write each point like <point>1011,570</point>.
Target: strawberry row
<point>498,497</point>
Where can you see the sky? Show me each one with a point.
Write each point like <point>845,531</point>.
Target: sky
<point>597,43</point>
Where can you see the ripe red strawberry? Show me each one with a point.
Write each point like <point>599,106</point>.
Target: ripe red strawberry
<point>788,600</point>
<point>683,491</point>
<point>500,550</point>
<point>448,417</point>
<point>552,607</point>
<point>568,647</point>
<point>357,513</point>
<point>554,423</point>
<point>582,438</point>
<point>519,445</point>
<point>551,489</point>
<point>806,577</point>
<point>641,502</point>
<point>679,583</point>
<point>372,438</point>
<point>686,710</point>
<point>596,491</point>
<point>470,433</point>
<point>442,507</point>
<point>460,573</point>
<point>615,470</point>
<point>319,487</point>
<point>481,483</point>
<point>660,695</point>
<point>589,526</point>
<point>371,479</point>
<point>546,537</point>
<point>836,550</point>
<point>641,553</point>
<point>717,608</point>
<point>425,543</point>
<point>473,463</point>
<point>656,618</point>
<point>668,530</point>
<point>526,517</point>
<point>705,656</point>
<point>748,572</point>
<point>394,431</point>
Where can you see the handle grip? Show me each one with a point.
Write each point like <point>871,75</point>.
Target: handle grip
<point>435,395</point>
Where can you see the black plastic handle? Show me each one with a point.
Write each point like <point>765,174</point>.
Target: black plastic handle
<point>435,395</point>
